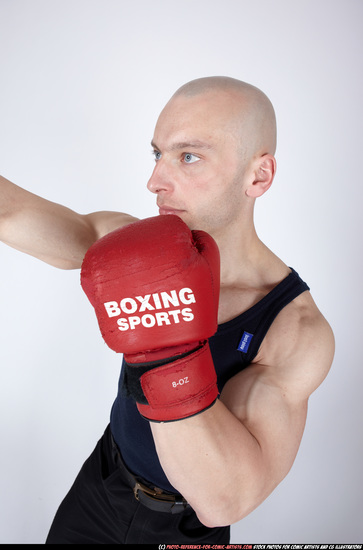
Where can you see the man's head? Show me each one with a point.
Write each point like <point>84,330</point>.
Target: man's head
<point>248,111</point>
<point>214,144</point>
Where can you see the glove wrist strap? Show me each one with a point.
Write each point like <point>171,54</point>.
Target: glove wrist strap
<point>174,390</point>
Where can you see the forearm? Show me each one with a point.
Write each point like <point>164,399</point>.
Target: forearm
<point>215,462</point>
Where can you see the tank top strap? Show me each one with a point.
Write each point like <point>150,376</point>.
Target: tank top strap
<point>258,319</point>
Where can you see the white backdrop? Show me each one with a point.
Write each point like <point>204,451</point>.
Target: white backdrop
<point>81,85</point>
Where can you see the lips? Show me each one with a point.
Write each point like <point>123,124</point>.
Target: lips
<point>165,210</point>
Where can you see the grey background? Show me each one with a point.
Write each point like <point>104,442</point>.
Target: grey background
<point>81,85</point>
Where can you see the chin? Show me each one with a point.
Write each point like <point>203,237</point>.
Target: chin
<point>191,222</point>
<point>186,219</point>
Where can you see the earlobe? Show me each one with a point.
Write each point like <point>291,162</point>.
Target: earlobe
<point>264,175</point>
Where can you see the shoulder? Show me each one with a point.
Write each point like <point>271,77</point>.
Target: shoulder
<point>299,347</point>
<point>104,222</point>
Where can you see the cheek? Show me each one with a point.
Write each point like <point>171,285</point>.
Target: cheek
<point>209,210</point>
<point>214,197</point>
<point>223,203</point>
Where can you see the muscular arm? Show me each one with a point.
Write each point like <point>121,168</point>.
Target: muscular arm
<point>228,459</point>
<point>51,232</point>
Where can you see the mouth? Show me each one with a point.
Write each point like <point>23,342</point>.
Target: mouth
<point>167,210</point>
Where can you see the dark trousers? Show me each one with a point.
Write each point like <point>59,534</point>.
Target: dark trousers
<point>101,508</point>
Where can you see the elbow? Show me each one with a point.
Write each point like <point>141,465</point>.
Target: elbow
<point>224,511</point>
<point>219,518</point>
<point>228,506</point>
<point>66,264</point>
<point>215,520</point>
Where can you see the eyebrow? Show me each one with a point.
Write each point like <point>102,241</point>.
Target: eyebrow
<point>196,144</point>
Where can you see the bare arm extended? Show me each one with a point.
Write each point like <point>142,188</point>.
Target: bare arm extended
<point>48,231</point>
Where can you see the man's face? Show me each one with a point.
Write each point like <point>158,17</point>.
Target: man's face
<point>199,167</point>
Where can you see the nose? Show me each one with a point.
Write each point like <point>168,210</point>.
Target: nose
<point>160,178</point>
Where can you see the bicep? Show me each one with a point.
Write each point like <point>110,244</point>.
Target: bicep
<point>74,233</point>
<point>56,234</point>
<point>104,222</point>
<point>49,231</point>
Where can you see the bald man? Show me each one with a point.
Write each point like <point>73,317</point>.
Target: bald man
<point>187,481</point>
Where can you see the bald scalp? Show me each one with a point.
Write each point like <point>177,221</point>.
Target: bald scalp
<point>252,114</point>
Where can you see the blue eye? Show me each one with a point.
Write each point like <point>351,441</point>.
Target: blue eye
<point>189,158</point>
<point>157,154</point>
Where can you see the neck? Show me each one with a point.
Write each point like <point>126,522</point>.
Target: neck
<point>246,261</point>
<point>249,270</point>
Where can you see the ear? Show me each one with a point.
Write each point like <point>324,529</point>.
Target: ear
<point>264,174</point>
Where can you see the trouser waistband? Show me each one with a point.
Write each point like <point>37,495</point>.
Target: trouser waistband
<point>153,498</point>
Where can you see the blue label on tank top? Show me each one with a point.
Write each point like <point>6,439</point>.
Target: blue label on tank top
<point>245,342</point>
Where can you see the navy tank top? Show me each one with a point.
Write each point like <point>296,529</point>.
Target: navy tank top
<point>233,348</point>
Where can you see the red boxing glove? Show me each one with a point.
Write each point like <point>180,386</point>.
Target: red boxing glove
<point>154,285</point>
